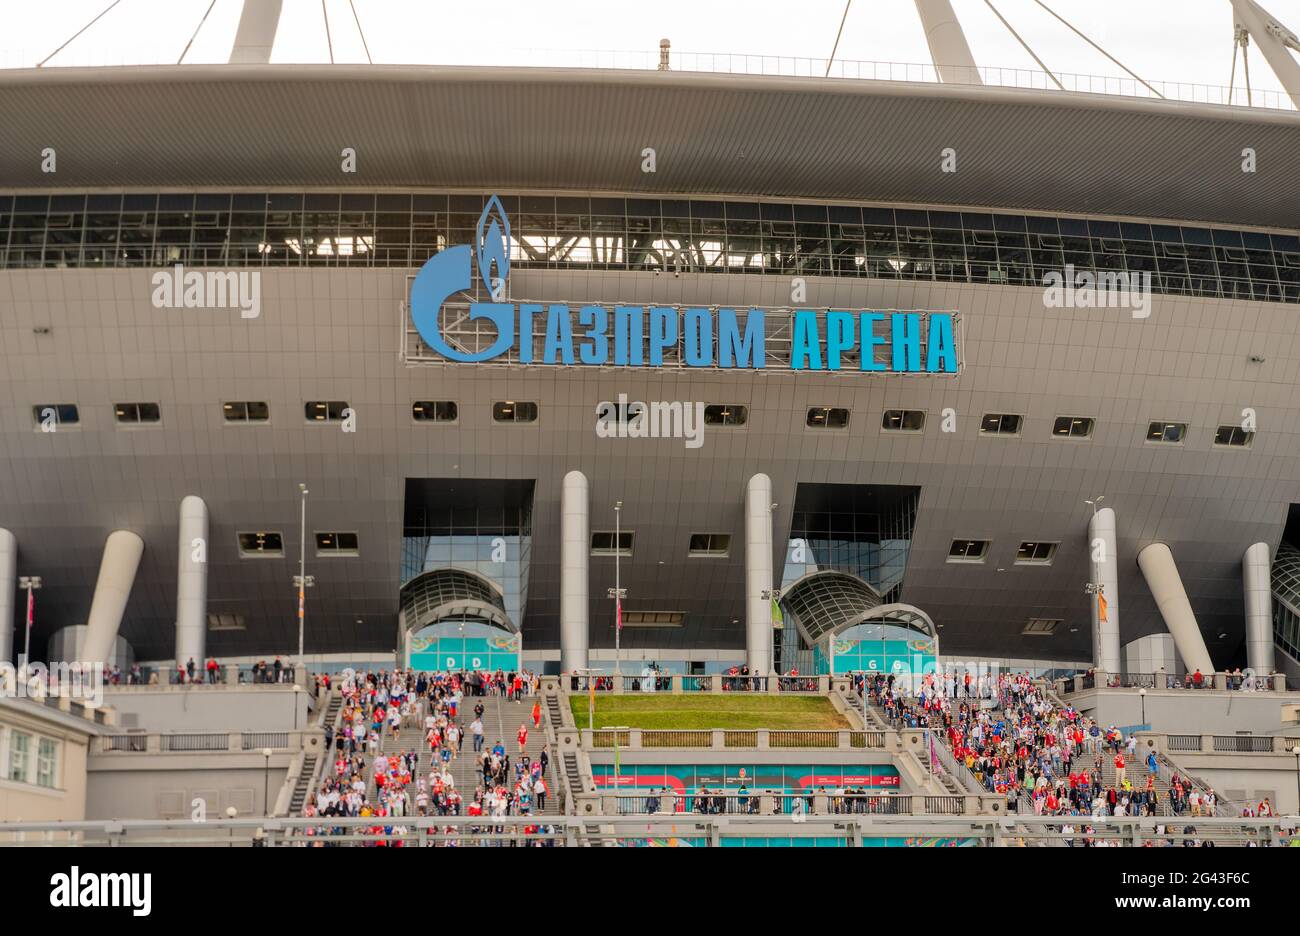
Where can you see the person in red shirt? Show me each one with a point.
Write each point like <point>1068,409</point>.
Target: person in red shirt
<point>1119,769</point>
<point>537,714</point>
<point>523,738</point>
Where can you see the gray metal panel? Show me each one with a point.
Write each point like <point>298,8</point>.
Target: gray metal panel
<point>584,130</point>
<point>334,334</point>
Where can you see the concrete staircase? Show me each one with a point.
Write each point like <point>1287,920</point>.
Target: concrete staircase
<point>308,775</point>
<point>501,719</point>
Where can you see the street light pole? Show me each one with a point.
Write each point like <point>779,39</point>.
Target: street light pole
<point>618,593</point>
<point>1142,694</point>
<point>302,572</point>
<point>1296,751</point>
<point>266,783</point>
<point>30,583</point>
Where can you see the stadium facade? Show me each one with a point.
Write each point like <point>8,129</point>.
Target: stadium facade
<point>482,493</point>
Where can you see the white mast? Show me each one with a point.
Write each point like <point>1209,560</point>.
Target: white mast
<point>948,48</point>
<point>1273,40</point>
<point>256,34</point>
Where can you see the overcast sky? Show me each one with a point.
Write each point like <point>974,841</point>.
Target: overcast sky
<point>1170,40</point>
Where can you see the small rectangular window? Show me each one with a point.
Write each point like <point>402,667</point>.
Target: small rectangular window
<point>47,759</point>
<point>56,414</point>
<point>19,755</point>
<point>1073,427</point>
<point>325,410</point>
<point>968,550</point>
<point>602,543</point>
<point>246,411</point>
<point>726,414</point>
<point>903,420</point>
<point>261,544</point>
<point>1000,424</point>
<point>1041,627</point>
<point>1166,433</point>
<point>336,544</point>
<point>828,417</point>
<point>653,618</point>
<point>511,411</point>
<point>710,544</point>
<point>435,411</point>
<point>1234,436</point>
<point>134,413</point>
<point>1033,553</point>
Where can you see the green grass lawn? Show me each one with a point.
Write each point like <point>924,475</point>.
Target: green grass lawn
<point>708,710</point>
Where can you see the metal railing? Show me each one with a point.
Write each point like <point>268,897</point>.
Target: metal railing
<point>636,829</point>
<point>257,740</point>
<point>1184,743</point>
<point>195,742</point>
<point>939,750</point>
<point>1244,744</point>
<point>636,739</point>
<point>191,742</point>
<point>737,63</point>
<point>769,803</point>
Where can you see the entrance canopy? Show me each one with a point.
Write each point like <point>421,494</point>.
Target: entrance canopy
<point>825,604</point>
<point>453,594</point>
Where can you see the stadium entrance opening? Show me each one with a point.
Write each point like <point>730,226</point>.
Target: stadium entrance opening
<point>455,620</point>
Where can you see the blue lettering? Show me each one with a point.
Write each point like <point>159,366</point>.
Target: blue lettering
<point>907,341</point>
<point>663,333</point>
<point>526,312</point>
<point>627,335</point>
<point>597,352</point>
<point>941,352</point>
<point>806,350</point>
<point>734,351</point>
<point>867,322</point>
<point>559,335</point>
<point>699,338</point>
<point>839,337</point>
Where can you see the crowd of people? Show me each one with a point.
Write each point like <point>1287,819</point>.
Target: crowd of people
<point>441,713</point>
<point>1047,759</point>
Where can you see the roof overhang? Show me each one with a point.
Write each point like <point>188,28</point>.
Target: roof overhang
<point>583,130</point>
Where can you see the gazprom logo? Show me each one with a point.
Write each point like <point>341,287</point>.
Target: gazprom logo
<point>635,335</point>
<point>451,272</point>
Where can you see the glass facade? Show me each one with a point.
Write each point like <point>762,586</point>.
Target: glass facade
<point>870,543</point>
<point>494,543</point>
<point>289,229</point>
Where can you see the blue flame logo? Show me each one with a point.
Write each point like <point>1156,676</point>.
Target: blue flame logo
<point>451,272</point>
<point>492,244</point>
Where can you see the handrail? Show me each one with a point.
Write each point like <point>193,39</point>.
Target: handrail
<point>952,766</point>
<point>787,66</point>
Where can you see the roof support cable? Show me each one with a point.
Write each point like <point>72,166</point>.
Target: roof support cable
<point>365,45</point>
<point>840,32</point>
<point>196,32</point>
<point>328,40</point>
<point>78,33</point>
<point>1099,48</point>
<point>1024,44</point>
<point>1240,40</point>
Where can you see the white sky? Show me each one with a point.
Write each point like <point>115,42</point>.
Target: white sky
<point>1169,40</point>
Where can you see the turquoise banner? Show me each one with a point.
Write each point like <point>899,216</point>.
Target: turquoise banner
<point>687,779</point>
<point>465,653</point>
<point>878,656</point>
